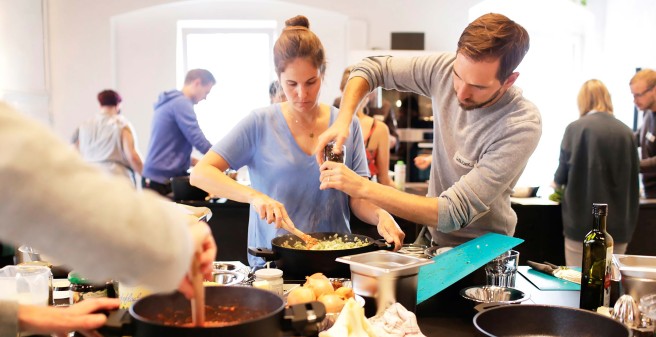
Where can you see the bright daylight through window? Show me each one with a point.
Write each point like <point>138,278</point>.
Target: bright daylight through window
<point>239,55</point>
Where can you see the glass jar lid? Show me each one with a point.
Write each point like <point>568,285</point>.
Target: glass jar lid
<point>268,273</point>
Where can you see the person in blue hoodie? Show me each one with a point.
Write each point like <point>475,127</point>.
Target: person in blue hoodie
<point>175,131</point>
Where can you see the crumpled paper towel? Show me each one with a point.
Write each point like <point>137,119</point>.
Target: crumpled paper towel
<point>396,321</point>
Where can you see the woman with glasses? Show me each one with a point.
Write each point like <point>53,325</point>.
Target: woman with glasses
<point>643,88</point>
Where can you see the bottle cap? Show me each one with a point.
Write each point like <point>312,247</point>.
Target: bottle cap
<point>600,209</point>
<point>268,273</point>
<point>400,162</point>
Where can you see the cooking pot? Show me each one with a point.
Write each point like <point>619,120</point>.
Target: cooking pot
<point>183,190</point>
<point>296,264</point>
<point>243,311</point>
<point>546,320</point>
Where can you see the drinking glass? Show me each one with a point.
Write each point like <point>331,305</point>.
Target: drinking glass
<point>502,271</point>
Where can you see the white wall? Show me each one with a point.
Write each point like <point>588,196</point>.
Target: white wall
<point>23,62</point>
<point>82,55</point>
<point>145,58</point>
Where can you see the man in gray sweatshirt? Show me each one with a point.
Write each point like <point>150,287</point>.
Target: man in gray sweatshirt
<point>484,131</point>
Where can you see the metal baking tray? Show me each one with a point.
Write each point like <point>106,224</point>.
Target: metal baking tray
<point>636,265</point>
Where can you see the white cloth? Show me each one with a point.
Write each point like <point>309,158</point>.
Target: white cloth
<point>396,321</point>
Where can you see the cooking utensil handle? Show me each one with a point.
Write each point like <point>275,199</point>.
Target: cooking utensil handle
<point>119,323</point>
<point>384,245</point>
<point>302,318</point>
<point>198,301</point>
<point>265,253</point>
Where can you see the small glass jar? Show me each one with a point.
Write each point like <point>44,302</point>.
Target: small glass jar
<point>329,155</point>
<point>81,288</point>
<point>273,276</point>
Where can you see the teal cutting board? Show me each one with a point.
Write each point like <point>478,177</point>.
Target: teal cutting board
<point>543,281</point>
<point>459,262</point>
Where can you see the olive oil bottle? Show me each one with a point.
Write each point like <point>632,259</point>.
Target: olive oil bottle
<point>596,263</point>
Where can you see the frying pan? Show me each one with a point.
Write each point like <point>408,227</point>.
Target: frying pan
<point>546,320</point>
<point>296,264</point>
<point>243,311</point>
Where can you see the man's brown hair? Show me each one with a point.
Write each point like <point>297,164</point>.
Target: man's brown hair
<point>205,76</point>
<point>647,75</point>
<point>297,41</point>
<point>493,36</point>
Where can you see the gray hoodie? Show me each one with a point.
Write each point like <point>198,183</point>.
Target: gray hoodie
<point>478,155</point>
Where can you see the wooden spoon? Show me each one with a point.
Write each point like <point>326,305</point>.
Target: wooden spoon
<point>309,241</point>
<point>198,301</point>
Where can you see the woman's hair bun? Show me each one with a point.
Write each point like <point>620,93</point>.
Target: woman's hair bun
<point>298,21</point>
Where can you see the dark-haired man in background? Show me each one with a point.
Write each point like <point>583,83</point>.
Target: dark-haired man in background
<point>175,132</point>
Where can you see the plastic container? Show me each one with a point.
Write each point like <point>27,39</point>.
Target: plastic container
<point>26,284</point>
<point>399,175</point>
<point>273,276</point>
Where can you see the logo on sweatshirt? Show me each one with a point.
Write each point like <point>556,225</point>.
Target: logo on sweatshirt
<point>464,162</point>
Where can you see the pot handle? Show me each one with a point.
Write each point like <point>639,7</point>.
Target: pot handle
<point>119,323</point>
<point>383,245</point>
<point>302,318</point>
<point>265,253</point>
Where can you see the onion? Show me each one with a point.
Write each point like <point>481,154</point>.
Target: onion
<point>319,284</point>
<point>332,302</point>
<point>318,275</point>
<point>344,293</point>
<point>300,295</point>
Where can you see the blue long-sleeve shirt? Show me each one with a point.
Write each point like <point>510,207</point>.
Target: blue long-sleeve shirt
<point>175,131</point>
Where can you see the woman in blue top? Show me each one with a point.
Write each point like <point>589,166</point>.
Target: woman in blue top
<point>277,144</point>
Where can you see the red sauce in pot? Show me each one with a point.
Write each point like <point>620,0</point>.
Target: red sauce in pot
<point>215,316</point>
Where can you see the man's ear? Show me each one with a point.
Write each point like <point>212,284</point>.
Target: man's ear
<point>511,80</point>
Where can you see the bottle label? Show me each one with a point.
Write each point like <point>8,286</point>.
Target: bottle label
<point>607,273</point>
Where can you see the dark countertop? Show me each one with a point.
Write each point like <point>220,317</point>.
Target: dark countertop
<point>449,314</point>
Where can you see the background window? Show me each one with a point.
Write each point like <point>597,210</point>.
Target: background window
<point>240,56</point>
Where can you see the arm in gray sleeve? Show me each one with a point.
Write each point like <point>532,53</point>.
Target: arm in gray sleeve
<point>469,198</point>
<point>82,217</point>
<point>414,74</point>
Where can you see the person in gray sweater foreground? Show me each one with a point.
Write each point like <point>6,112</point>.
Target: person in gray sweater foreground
<point>484,131</point>
<point>94,222</point>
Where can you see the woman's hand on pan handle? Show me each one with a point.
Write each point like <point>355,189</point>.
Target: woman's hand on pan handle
<point>272,211</point>
<point>84,317</point>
